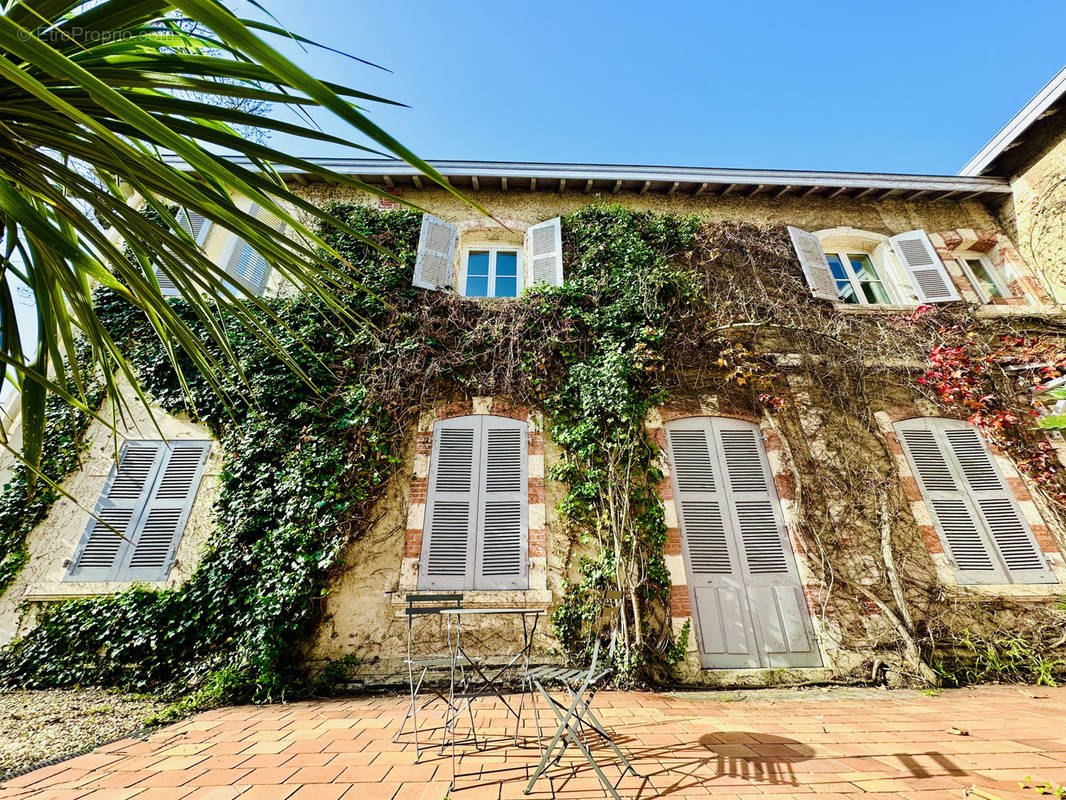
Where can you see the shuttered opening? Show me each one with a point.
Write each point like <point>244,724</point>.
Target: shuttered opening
<point>246,265</point>
<point>815,266</point>
<point>919,258</point>
<point>980,525</point>
<point>747,602</point>
<point>147,499</point>
<point>544,252</point>
<point>436,251</point>
<point>197,226</point>
<point>476,528</point>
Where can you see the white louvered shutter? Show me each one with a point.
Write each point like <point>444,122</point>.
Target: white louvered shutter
<point>436,250</point>
<point>159,530</point>
<point>503,505</point>
<point>448,538</point>
<point>246,265</point>
<point>814,263</point>
<point>931,281</point>
<point>101,552</point>
<point>194,224</point>
<point>712,562</point>
<point>544,252</point>
<point>980,525</point>
<point>778,606</point>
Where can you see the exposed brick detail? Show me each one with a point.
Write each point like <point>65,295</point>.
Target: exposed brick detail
<point>501,408</point>
<point>893,443</point>
<point>816,596</point>
<point>412,543</point>
<point>898,413</point>
<point>986,240</point>
<point>673,542</point>
<point>658,438</point>
<point>419,488</point>
<point>536,490</point>
<point>1044,539</point>
<point>1009,301</point>
<point>738,413</point>
<point>952,239</point>
<point>665,488</point>
<point>450,410</point>
<point>677,409</point>
<point>931,539</point>
<point>785,490</point>
<point>772,440</point>
<point>424,442</point>
<point>538,543</point>
<point>536,443</point>
<point>1017,487</point>
<point>910,488</point>
<point>680,603</point>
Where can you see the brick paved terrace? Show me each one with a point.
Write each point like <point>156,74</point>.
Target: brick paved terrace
<point>816,744</point>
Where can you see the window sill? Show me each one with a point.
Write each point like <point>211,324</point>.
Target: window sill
<point>540,599</point>
<point>993,310</point>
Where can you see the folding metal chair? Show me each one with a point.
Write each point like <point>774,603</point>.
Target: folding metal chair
<point>421,605</point>
<point>577,719</point>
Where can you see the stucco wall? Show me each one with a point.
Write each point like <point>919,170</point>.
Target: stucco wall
<point>53,542</point>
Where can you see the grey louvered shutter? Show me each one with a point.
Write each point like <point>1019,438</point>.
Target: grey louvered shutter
<point>931,281</point>
<point>983,532</point>
<point>246,265</point>
<point>194,224</point>
<point>160,527</point>
<point>814,263</point>
<point>503,506</point>
<point>101,552</point>
<point>544,251</point>
<point>719,600</point>
<point>449,530</point>
<point>778,606</point>
<point>436,250</point>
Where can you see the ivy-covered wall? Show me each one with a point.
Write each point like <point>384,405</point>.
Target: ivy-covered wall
<point>659,309</point>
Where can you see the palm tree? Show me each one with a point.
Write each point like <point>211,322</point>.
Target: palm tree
<point>103,101</point>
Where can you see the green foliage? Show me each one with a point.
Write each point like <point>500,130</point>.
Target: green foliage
<point>301,470</point>
<point>1006,659</point>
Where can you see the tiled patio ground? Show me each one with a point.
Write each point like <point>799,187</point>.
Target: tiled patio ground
<point>820,745</point>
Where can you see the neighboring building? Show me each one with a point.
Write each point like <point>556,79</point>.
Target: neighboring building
<point>472,508</point>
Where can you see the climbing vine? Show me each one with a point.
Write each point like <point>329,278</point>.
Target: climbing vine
<point>656,308</point>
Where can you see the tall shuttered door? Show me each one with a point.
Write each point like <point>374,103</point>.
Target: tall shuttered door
<point>748,606</point>
<point>978,520</point>
<point>476,525</point>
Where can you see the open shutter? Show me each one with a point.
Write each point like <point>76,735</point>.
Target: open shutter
<point>983,532</point>
<point>246,265</point>
<point>448,538</point>
<point>544,252</point>
<point>503,505</point>
<point>101,552</point>
<point>814,263</point>
<point>719,599</point>
<point>778,606</point>
<point>931,281</point>
<point>436,249</point>
<point>159,530</point>
<point>194,224</point>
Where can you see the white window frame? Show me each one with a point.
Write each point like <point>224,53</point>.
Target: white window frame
<point>963,259</point>
<point>887,282</point>
<point>493,248</point>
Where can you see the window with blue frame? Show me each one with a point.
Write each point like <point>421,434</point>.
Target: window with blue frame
<point>492,272</point>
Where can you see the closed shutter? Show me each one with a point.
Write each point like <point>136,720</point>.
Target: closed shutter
<point>194,224</point>
<point>167,512</point>
<point>814,263</point>
<point>436,250</point>
<point>980,525</point>
<point>502,505</point>
<point>448,539</point>
<point>778,606</point>
<point>101,552</point>
<point>544,252</point>
<point>251,269</point>
<point>719,597</point>
<point>931,281</point>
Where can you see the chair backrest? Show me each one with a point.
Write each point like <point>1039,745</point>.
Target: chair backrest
<point>607,617</point>
<point>423,603</point>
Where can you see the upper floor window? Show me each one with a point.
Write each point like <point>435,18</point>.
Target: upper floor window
<point>857,279</point>
<point>492,272</point>
<point>985,279</point>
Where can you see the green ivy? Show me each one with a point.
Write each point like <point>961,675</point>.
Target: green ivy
<point>302,468</point>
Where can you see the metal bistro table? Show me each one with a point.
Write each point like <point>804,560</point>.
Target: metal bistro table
<point>483,679</point>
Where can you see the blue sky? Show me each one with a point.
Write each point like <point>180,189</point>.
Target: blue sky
<point>900,87</point>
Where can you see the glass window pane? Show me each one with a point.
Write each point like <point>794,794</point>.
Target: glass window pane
<point>506,263</point>
<point>863,267</point>
<point>984,278</point>
<point>836,266</point>
<point>506,287</point>
<point>477,285</point>
<point>846,292</point>
<point>478,263</point>
<point>874,291</point>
